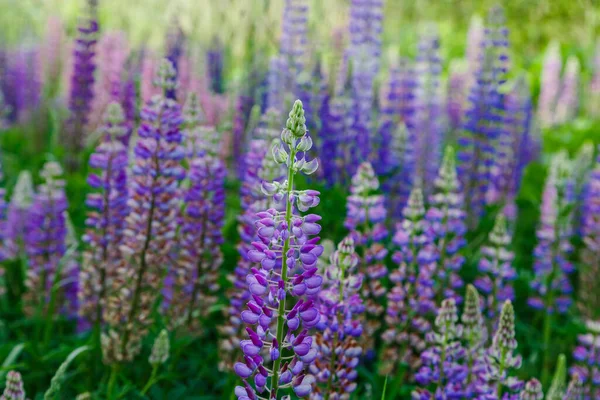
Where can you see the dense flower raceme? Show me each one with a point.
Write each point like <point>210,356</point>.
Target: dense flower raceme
<point>532,391</point>
<point>446,217</point>
<point>45,242</point>
<point>516,147</point>
<point>568,99</point>
<point>365,29</point>
<point>14,387</point>
<point>429,99</point>
<point>484,119</point>
<point>82,81</point>
<point>496,270</point>
<point>455,363</point>
<point>192,282</point>
<point>552,265</point>
<point>284,286</point>
<point>549,85</point>
<point>340,327</point>
<point>150,225</point>
<point>411,299</point>
<point>16,215</point>
<point>106,216</point>
<point>112,52</point>
<point>500,357</point>
<point>589,271</point>
<point>259,167</point>
<point>587,361</point>
<point>365,217</point>
<point>443,370</point>
<point>21,86</point>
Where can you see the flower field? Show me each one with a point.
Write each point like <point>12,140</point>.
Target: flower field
<point>282,199</point>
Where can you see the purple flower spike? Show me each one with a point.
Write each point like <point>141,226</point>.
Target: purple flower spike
<point>446,217</point>
<point>190,289</point>
<point>340,325</point>
<point>18,209</point>
<point>286,257</point>
<point>45,240</point>
<point>495,267</point>
<point>106,217</point>
<point>552,266</point>
<point>411,299</point>
<point>148,235</point>
<point>82,82</point>
<point>443,369</point>
<point>365,218</point>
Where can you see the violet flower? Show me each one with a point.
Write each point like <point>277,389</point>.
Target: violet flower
<point>446,218</point>
<point>484,119</point>
<point>496,270</point>
<point>82,82</point>
<point>192,282</point>
<point>411,299</point>
<point>45,243</point>
<point>552,265</point>
<point>260,167</point>
<point>443,373</point>
<point>365,217</point>
<point>288,254</point>
<point>587,361</point>
<point>500,360</point>
<point>150,224</point>
<point>428,148</point>
<point>340,327</point>
<point>14,387</point>
<point>17,212</point>
<point>549,85</point>
<point>516,148</point>
<point>532,391</point>
<point>575,389</point>
<point>568,99</point>
<point>105,220</point>
<point>589,271</point>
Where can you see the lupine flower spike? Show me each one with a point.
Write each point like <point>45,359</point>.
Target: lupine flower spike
<point>106,218</point>
<point>552,265</point>
<point>475,336</point>
<point>14,387</point>
<point>365,219</point>
<point>496,270</point>
<point>447,219</point>
<point>443,371</point>
<point>341,306</point>
<point>149,225</point>
<point>18,209</point>
<point>500,359</point>
<point>288,251</point>
<point>411,299</point>
<point>557,388</point>
<point>160,349</point>
<point>82,81</point>
<point>532,391</point>
<point>259,167</point>
<point>575,389</point>
<point>45,240</point>
<point>192,283</point>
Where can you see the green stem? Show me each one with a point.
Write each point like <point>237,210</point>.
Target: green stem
<point>151,380</point>
<point>286,246</point>
<point>546,348</point>
<point>111,381</point>
<point>501,371</point>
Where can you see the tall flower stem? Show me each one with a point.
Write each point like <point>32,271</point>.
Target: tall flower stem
<point>286,246</point>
